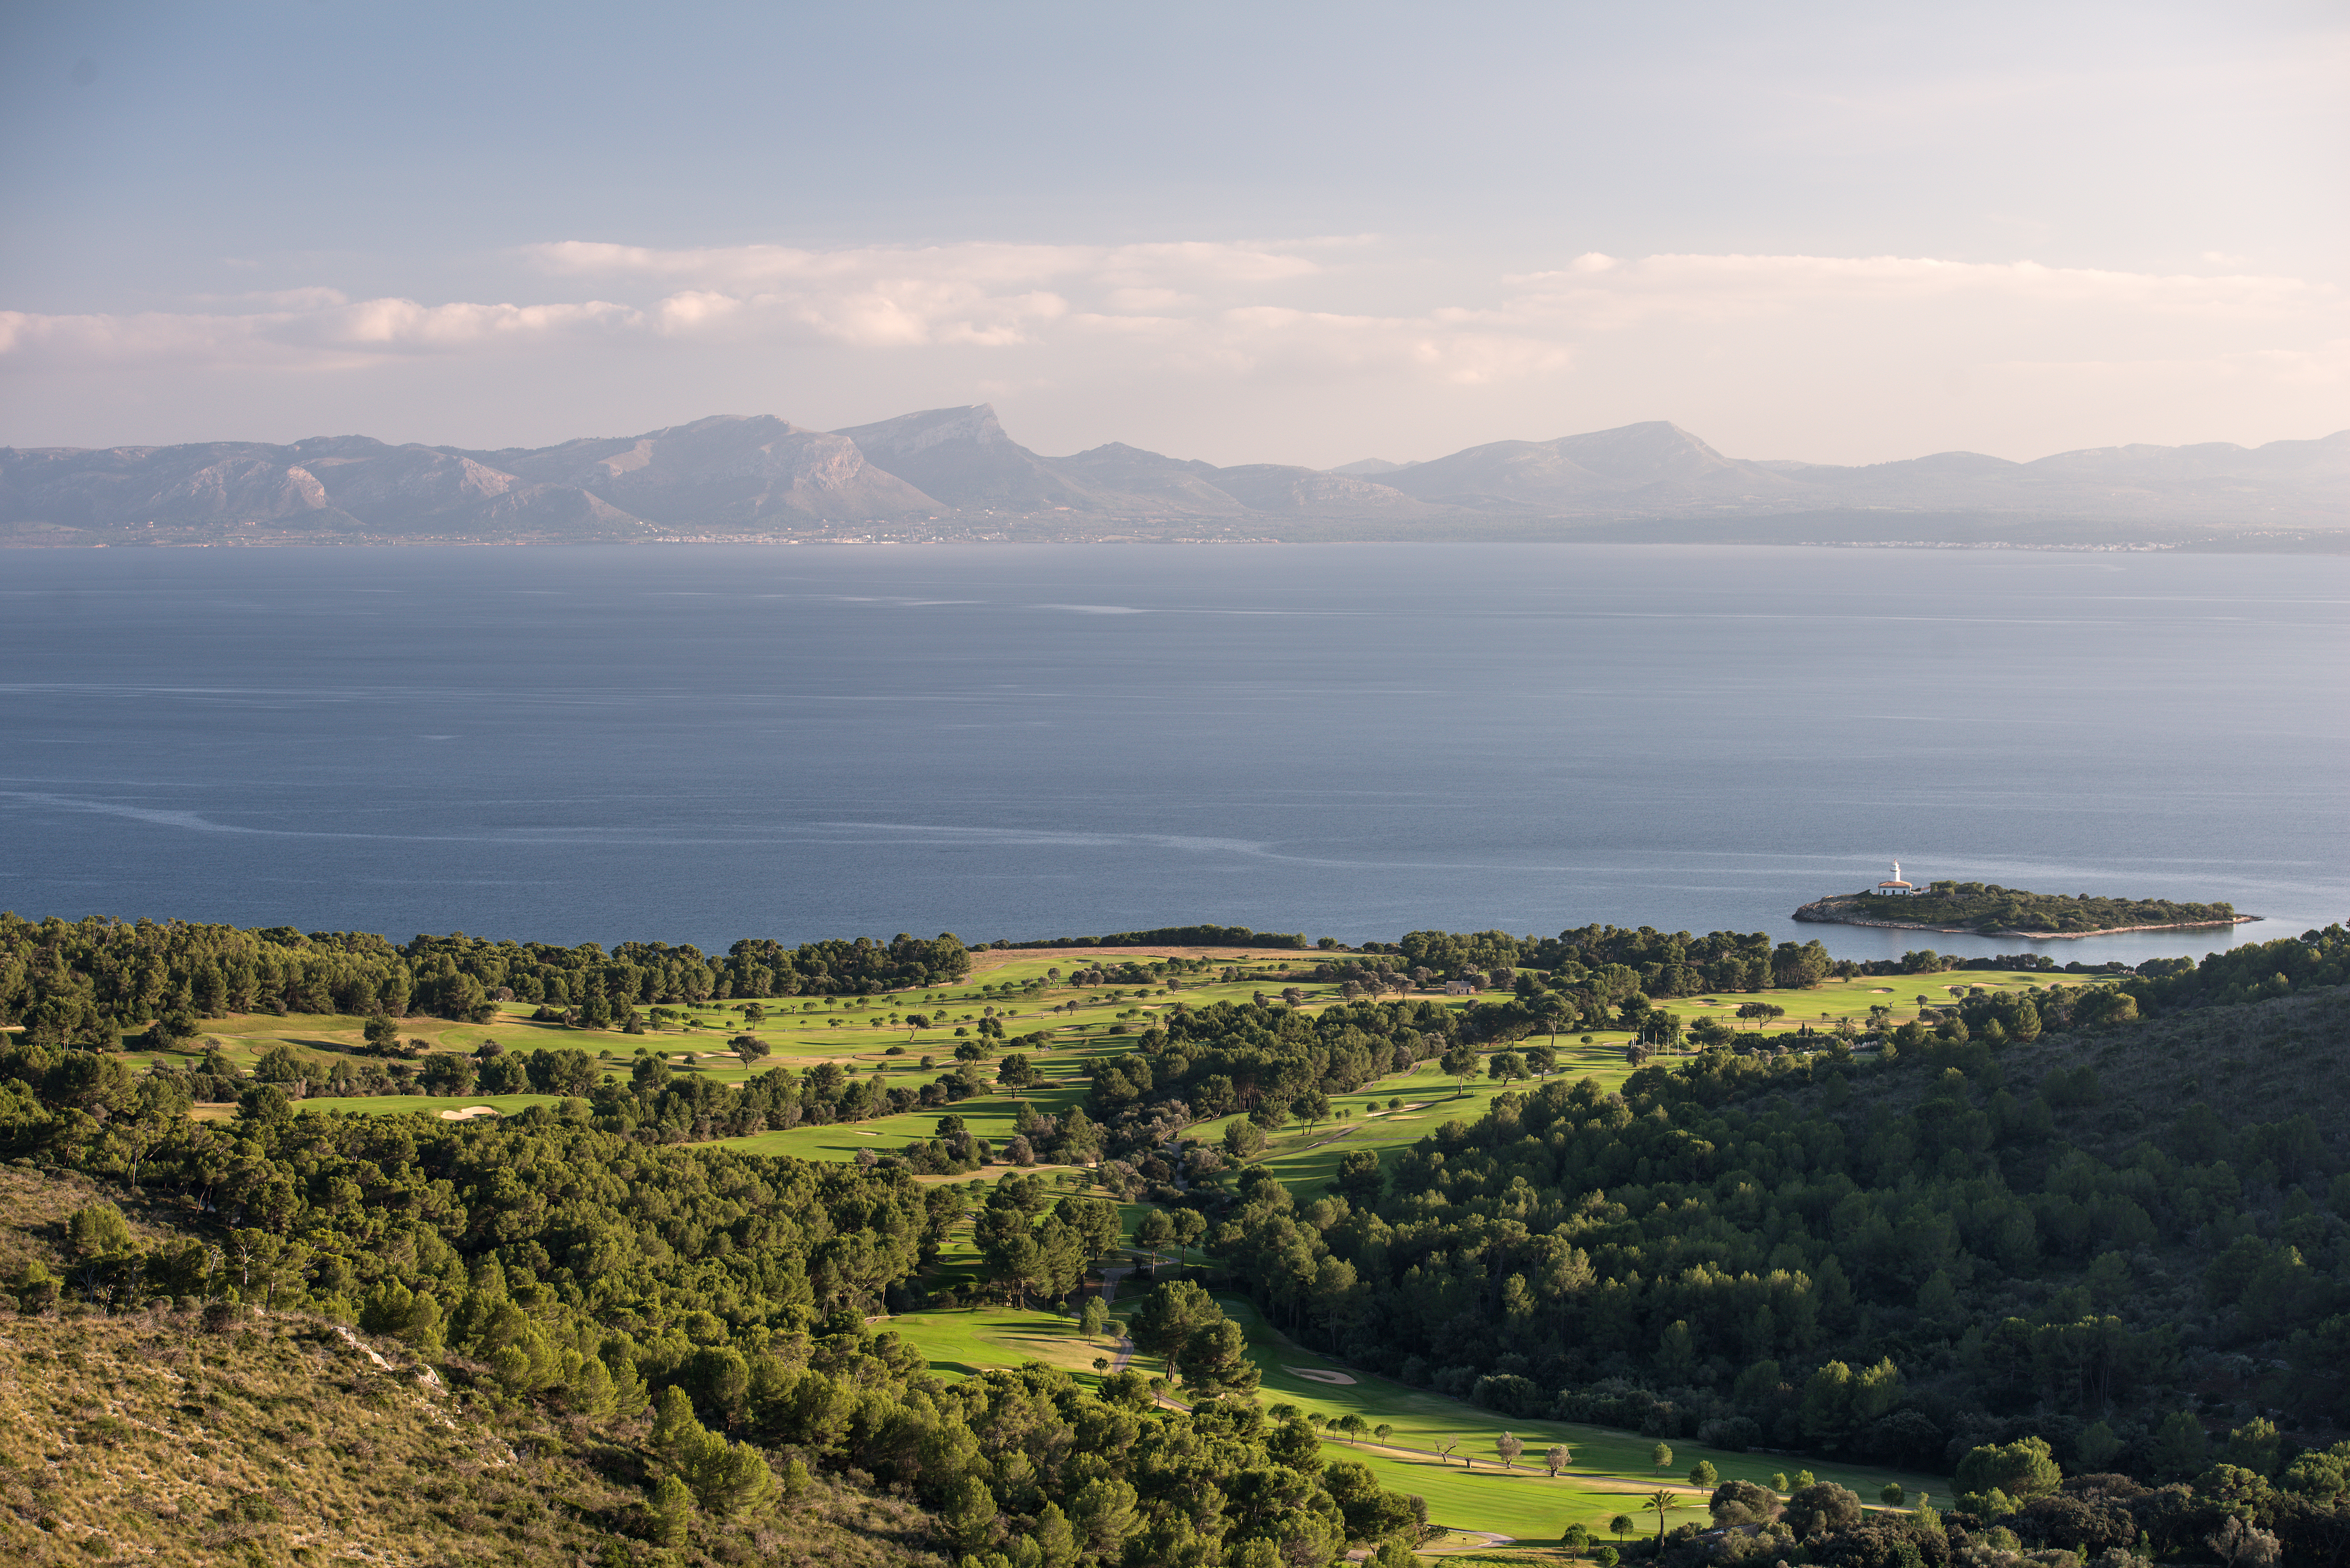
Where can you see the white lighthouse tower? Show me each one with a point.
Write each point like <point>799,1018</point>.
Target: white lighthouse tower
<point>1896,884</point>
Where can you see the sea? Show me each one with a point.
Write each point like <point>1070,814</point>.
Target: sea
<point>698,743</point>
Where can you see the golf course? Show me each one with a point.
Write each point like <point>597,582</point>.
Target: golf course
<point>1416,1441</point>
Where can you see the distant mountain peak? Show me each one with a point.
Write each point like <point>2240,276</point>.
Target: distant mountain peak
<point>760,475</point>
<point>975,423</point>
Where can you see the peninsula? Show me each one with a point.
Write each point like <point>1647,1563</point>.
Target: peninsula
<point>1991,910</point>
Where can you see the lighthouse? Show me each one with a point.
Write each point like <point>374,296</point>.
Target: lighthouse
<point>1896,884</point>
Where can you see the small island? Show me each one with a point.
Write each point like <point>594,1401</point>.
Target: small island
<point>1988,909</point>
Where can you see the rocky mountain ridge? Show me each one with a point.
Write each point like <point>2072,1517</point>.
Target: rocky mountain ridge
<point>956,472</point>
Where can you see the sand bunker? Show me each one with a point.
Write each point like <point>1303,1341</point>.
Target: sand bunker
<point>468,1113</point>
<point>1321,1375</point>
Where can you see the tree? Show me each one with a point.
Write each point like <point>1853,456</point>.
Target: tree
<point>2180,1447</point>
<point>2255,1447</point>
<point>1712,1032</point>
<point>749,1047</point>
<point>1508,1446</point>
<point>1891,1494</point>
<point>730,1478</point>
<point>1163,1325</point>
<point>1737,1502</point>
<point>1154,1234</point>
<point>1821,1508</point>
<point>1506,1066</point>
<point>1015,1072</point>
<point>1661,1455</point>
<point>2024,1468</point>
<point>969,1514</point>
<point>1558,1458</point>
<point>1243,1140</point>
<point>1661,1502</point>
<point>2239,1541</point>
<point>1093,1317</point>
<point>671,1508</point>
<point>1620,1526</point>
<point>278,1064</point>
<point>1704,1474</point>
<point>1358,1176</point>
<point>1191,1231</point>
<point>1215,1360</point>
<point>97,1229</point>
<point>1460,1062</point>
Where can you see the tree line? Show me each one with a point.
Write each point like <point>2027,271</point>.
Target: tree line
<point>88,982</point>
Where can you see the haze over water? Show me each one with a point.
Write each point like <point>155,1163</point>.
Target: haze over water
<point>698,744</point>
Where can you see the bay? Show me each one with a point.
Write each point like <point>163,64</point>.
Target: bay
<point>697,743</point>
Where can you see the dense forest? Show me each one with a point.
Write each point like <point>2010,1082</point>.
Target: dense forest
<point>1995,910</point>
<point>2104,1217</point>
<point>83,982</point>
<point>1180,937</point>
<point>704,1311</point>
<point>2084,1246</point>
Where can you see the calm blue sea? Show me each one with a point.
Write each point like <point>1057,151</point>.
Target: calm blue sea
<point>700,743</point>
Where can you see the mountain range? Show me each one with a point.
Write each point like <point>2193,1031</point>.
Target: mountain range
<point>949,473</point>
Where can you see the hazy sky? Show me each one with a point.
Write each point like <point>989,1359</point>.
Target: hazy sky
<point>1302,234</point>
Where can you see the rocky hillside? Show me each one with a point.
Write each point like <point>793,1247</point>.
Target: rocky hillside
<point>200,1435</point>
<point>950,473</point>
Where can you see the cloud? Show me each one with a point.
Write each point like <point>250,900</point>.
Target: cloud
<point>1361,321</point>
<point>317,329</point>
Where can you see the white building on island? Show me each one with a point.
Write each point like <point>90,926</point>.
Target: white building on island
<point>1896,884</point>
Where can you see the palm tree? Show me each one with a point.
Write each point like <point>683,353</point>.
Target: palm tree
<point>1663,1503</point>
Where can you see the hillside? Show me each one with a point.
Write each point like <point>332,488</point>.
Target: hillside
<point>2104,1212</point>
<point>174,1434</point>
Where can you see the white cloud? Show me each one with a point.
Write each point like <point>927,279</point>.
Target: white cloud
<point>1106,329</point>
<point>318,328</point>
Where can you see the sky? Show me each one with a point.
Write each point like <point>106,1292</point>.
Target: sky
<point>1298,234</point>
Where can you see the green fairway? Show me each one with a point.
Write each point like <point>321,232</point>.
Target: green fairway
<point>1610,1472</point>
<point>960,1342</point>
